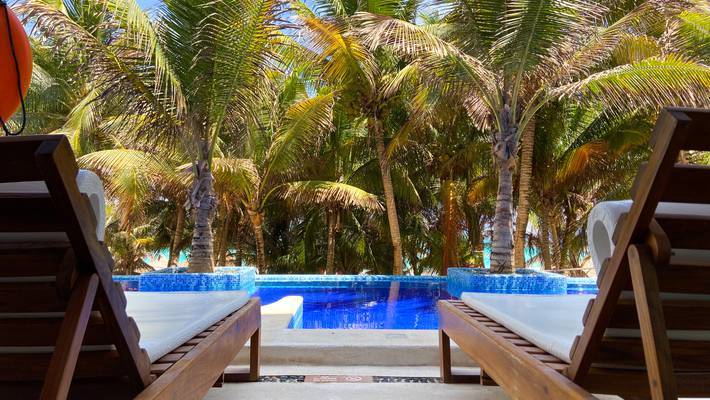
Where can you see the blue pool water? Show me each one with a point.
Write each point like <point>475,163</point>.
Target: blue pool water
<point>333,301</point>
<point>377,304</point>
<point>361,304</point>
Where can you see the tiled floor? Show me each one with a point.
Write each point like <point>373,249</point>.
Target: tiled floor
<point>354,391</point>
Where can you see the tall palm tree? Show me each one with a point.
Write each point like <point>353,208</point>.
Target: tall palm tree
<point>191,76</point>
<point>582,156</point>
<point>506,59</point>
<point>358,74</point>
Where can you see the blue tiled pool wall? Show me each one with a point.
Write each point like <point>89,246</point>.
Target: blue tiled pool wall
<point>167,280</point>
<point>341,281</point>
<point>458,281</point>
<point>582,286</point>
<point>524,281</point>
<point>348,278</point>
<point>129,283</point>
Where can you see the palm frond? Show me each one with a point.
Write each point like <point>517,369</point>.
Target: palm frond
<point>343,57</point>
<point>600,44</point>
<point>444,61</point>
<point>236,175</point>
<point>650,83</point>
<point>332,194</point>
<point>533,29</point>
<point>241,32</point>
<point>139,27</point>
<point>304,122</point>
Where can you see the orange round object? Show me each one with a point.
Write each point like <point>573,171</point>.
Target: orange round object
<point>9,96</point>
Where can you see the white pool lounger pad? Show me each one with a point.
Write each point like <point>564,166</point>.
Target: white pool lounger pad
<point>549,322</point>
<point>166,320</point>
<point>604,217</point>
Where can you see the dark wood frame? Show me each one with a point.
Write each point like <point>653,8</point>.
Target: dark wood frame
<point>73,277</point>
<point>651,366</point>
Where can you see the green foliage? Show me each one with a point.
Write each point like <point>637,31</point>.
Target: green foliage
<point>281,100</point>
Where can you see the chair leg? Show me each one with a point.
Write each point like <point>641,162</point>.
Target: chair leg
<point>220,381</point>
<point>254,344</point>
<point>445,356</point>
<point>656,347</point>
<point>71,334</point>
<point>487,380</point>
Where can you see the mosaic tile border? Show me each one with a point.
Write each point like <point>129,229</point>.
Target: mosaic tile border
<point>375,379</point>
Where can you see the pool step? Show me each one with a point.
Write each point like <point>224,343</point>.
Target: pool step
<point>352,347</point>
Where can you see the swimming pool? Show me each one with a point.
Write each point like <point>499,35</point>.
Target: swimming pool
<point>384,304</point>
<point>368,302</point>
<point>332,301</point>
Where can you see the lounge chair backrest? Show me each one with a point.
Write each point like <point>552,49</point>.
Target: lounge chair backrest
<point>647,254</point>
<point>61,315</point>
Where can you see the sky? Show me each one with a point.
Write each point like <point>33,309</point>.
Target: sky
<point>148,3</point>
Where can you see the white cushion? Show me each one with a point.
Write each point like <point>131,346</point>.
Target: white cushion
<point>603,218</point>
<point>166,320</point>
<point>89,184</point>
<point>550,322</point>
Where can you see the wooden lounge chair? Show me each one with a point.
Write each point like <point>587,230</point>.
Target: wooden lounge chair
<point>647,333</point>
<point>64,331</point>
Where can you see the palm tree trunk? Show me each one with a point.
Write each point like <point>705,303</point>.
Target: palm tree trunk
<point>332,230</point>
<point>544,240</point>
<point>177,236</point>
<point>204,203</point>
<point>504,151</point>
<point>238,243</point>
<point>523,210</point>
<point>223,237</point>
<point>376,131</point>
<point>556,250</point>
<point>257,222</point>
<point>450,227</point>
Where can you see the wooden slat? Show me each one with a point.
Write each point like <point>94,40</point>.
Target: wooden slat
<point>171,358</point>
<point>71,333</point>
<point>30,297</point>
<point>684,185</point>
<point>183,349</point>
<point>634,384</point>
<point>697,139</point>
<point>44,331</point>
<point>628,353</point>
<point>31,259</point>
<point>619,226</point>
<point>679,315</point>
<point>17,154</point>
<point>160,368</point>
<point>684,279</point>
<point>33,367</point>
<point>672,129</point>
<point>686,231</point>
<point>520,374</point>
<point>65,209</point>
<point>28,212</point>
<point>688,184</point>
<point>656,347</point>
<point>195,373</point>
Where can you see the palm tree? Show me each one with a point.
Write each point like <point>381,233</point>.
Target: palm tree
<point>582,156</point>
<point>359,76</point>
<point>334,197</point>
<point>192,75</point>
<point>510,59</point>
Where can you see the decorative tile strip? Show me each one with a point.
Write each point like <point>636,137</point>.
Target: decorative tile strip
<point>524,281</point>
